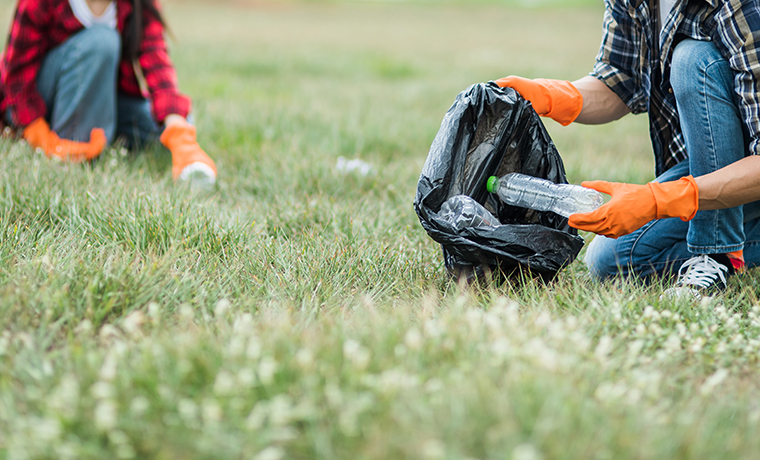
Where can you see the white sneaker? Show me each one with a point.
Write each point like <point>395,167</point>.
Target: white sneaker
<point>700,275</point>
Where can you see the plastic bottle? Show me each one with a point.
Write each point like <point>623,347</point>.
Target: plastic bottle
<point>524,191</point>
<point>462,211</point>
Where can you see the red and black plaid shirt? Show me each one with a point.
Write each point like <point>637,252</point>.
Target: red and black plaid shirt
<point>41,25</point>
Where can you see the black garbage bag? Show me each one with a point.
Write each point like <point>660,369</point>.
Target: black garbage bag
<point>492,131</point>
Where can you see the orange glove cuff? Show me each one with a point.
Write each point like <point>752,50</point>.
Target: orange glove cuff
<point>677,198</point>
<point>566,100</point>
<point>559,100</point>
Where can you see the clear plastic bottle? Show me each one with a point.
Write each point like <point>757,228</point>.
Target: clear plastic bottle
<point>524,191</point>
<point>462,211</point>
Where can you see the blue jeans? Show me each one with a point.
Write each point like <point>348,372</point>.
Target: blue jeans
<point>703,84</point>
<point>78,81</point>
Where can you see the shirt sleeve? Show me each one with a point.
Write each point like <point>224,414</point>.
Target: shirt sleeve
<point>739,30</point>
<point>23,59</point>
<point>160,76</point>
<point>618,63</point>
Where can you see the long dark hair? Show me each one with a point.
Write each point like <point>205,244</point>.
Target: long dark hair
<point>133,28</point>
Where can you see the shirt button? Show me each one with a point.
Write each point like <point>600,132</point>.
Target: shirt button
<point>670,90</point>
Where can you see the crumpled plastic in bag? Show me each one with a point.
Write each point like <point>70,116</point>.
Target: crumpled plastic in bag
<point>492,131</point>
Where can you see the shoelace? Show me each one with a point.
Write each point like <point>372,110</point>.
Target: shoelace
<point>702,271</point>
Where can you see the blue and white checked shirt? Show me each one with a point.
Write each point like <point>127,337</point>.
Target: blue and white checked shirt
<point>642,78</point>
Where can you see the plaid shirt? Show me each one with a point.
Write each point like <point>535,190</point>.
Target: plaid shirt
<point>41,25</point>
<point>642,78</point>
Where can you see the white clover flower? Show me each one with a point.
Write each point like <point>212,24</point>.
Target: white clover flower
<point>393,380</point>
<point>270,453</point>
<point>672,344</point>
<point>108,369</point>
<point>434,385</point>
<point>212,412</point>
<point>713,381</point>
<point>500,348</point>
<point>696,347</point>
<point>305,358</point>
<point>526,452</point>
<point>108,331</point>
<point>603,348</point>
<point>222,308</point>
<point>187,410</point>
<point>413,339</point>
<point>106,415</point>
<point>186,313</point>
<point>154,312</point>
<point>433,329</point>
<point>258,416</point>
<point>267,370</point>
<point>246,377</point>
<point>65,397</point>
<point>333,394</point>
<point>133,322</point>
<point>253,351</point>
<point>102,390</point>
<point>243,325</point>
<point>236,347</point>
<point>165,392</point>
<point>433,449</point>
<point>634,348</point>
<point>474,318</point>
<point>280,409</point>
<point>356,354</point>
<point>651,313</point>
<point>84,327</point>
<point>47,429</point>
<point>224,384</point>
<point>139,405</point>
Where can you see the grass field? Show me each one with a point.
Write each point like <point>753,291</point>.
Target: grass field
<point>301,313</point>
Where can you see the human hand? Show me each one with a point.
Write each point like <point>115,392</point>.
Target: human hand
<point>39,135</point>
<point>633,205</point>
<point>189,161</point>
<point>556,99</point>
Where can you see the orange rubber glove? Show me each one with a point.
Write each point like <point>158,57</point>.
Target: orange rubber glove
<point>39,135</point>
<point>556,99</point>
<point>632,205</point>
<point>180,139</point>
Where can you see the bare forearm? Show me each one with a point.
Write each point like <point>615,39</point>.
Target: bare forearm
<point>734,185</point>
<point>600,104</point>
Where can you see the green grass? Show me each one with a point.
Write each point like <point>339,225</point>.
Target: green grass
<point>300,313</point>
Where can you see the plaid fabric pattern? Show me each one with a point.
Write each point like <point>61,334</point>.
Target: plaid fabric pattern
<point>41,25</point>
<point>641,77</point>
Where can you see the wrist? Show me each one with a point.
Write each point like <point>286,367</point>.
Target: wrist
<point>174,119</point>
<point>678,198</point>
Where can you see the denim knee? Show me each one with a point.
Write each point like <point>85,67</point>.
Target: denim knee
<point>693,63</point>
<point>98,45</point>
<point>601,258</point>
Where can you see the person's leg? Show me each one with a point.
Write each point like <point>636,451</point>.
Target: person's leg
<point>135,123</point>
<point>703,84</point>
<point>77,80</point>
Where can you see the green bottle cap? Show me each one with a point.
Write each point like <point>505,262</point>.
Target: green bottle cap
<point>491,184</point>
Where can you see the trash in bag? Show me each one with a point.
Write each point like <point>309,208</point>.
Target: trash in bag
<point>492,131</point>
